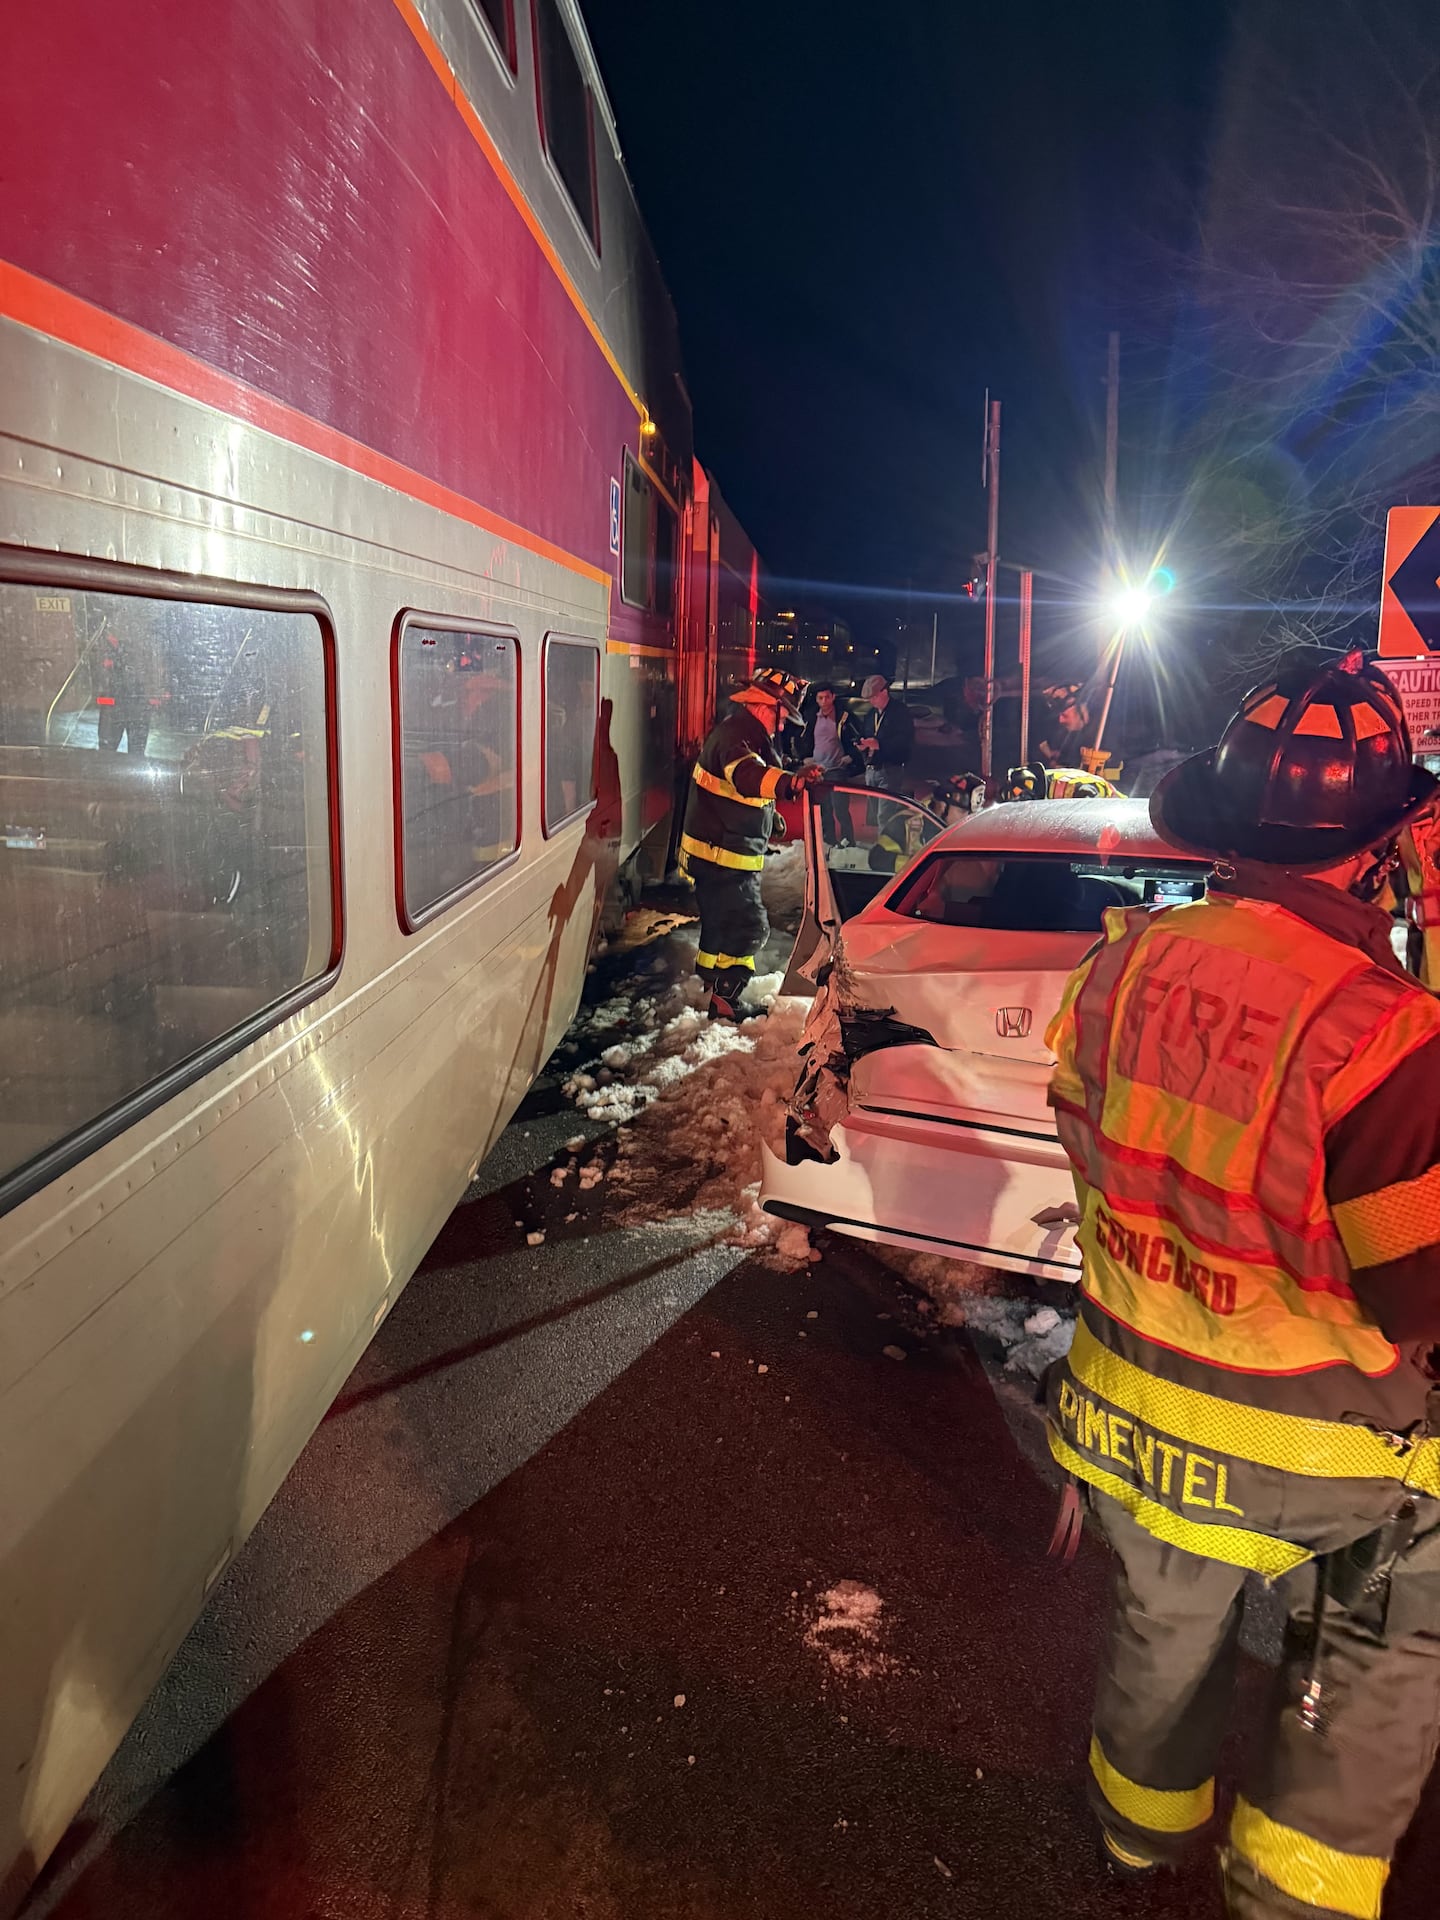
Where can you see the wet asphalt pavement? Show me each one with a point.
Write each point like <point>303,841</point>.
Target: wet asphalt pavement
<point>535,1630</point>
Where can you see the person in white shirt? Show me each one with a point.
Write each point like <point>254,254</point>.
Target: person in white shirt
<point>831,742</point>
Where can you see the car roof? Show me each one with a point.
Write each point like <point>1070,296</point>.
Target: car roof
<point>1117,829</point>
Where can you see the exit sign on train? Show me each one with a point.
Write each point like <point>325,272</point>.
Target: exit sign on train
<point>1410,597</point>
<point>52,603</point>
<point>1418,684</point>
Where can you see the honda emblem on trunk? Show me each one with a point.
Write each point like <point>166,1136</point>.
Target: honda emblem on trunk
<point>1012,1023</point>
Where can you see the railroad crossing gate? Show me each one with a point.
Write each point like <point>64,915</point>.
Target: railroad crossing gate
<point>1410,597</point>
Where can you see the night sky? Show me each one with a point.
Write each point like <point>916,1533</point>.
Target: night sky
<point>866,216</point>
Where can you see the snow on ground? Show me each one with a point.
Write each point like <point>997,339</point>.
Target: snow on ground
<point>686,1103</point>
<point>1000,1307</point>
<point>689,1099</point>
<point>846,1631</point>
<point>785,886</point>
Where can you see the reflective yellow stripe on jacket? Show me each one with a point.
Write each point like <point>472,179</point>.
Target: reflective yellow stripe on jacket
<point>721,856</point>
<point>732,786</point>
<point>1318,1448</point>
<point>725,788</point>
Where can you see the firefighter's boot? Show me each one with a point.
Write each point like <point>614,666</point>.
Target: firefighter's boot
<point>1125,1861</point>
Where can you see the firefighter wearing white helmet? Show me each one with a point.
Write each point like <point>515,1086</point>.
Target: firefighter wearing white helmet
<point>728,821</point>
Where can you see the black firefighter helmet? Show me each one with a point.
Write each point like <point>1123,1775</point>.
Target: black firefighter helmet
<point>1314,768</point>
<point>771,686</point>
<point>1026,783</point>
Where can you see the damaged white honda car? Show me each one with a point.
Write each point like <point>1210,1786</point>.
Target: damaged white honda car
<point>938,956</point>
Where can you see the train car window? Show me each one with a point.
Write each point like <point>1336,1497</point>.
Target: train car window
<point>566,116</point>
<point>458,720</point>
<point>665,545</point>
<point>499,17</point>
<point>637,586</point>
<point>571,710</point>
<point>166,858</point>
<point>648,544</point>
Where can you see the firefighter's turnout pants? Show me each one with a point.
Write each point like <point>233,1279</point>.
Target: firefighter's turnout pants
<point>1353,1719</point>
<point>733,925</point>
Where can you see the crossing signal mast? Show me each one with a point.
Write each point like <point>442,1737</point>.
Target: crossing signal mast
<point>990,476</point>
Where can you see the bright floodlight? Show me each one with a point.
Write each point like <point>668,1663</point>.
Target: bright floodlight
<point>1131,605</point>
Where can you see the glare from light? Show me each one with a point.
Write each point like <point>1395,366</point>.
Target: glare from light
<point>307,1336</point>
<point>1131,605</point>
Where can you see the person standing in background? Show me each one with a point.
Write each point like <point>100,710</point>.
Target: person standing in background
<point>832,743</point>
<point>887,736</point>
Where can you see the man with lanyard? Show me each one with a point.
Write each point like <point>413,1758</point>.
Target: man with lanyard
<point>1246,1087</point>
<point>728,819</point>
<point>888,737</point>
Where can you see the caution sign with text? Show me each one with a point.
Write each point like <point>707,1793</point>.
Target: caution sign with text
<point>1410,598</point>
<point>1418,684</point>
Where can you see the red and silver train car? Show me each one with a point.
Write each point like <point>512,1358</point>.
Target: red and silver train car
<point>354,562</point>
<point>720,610</point>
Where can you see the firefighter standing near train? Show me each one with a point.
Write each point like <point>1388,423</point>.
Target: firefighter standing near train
<point>1246,1086</point>
<point>729,818</point>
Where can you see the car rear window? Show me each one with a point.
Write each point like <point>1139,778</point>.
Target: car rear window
<point>1038,894</point>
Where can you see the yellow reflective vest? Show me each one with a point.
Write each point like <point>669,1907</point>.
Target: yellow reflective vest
<point>1225,1383</point>
<point>1073,783</point>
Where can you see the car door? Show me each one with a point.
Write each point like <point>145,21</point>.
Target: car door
<point>856,839</point>
<point>920,1115</point>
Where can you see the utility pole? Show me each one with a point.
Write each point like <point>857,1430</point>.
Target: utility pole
<point>934,641</point>
<point>1027,592</point>
<point>1116,656</point>
<point>1112,452</point>
<point>1112,536</point>
<point>992,571</point>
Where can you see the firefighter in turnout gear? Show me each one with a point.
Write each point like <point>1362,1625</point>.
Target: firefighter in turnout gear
<point>1036,781</point>
<point>1245,1085</point>
<point>728,821</point>
<point>1420,875</point>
